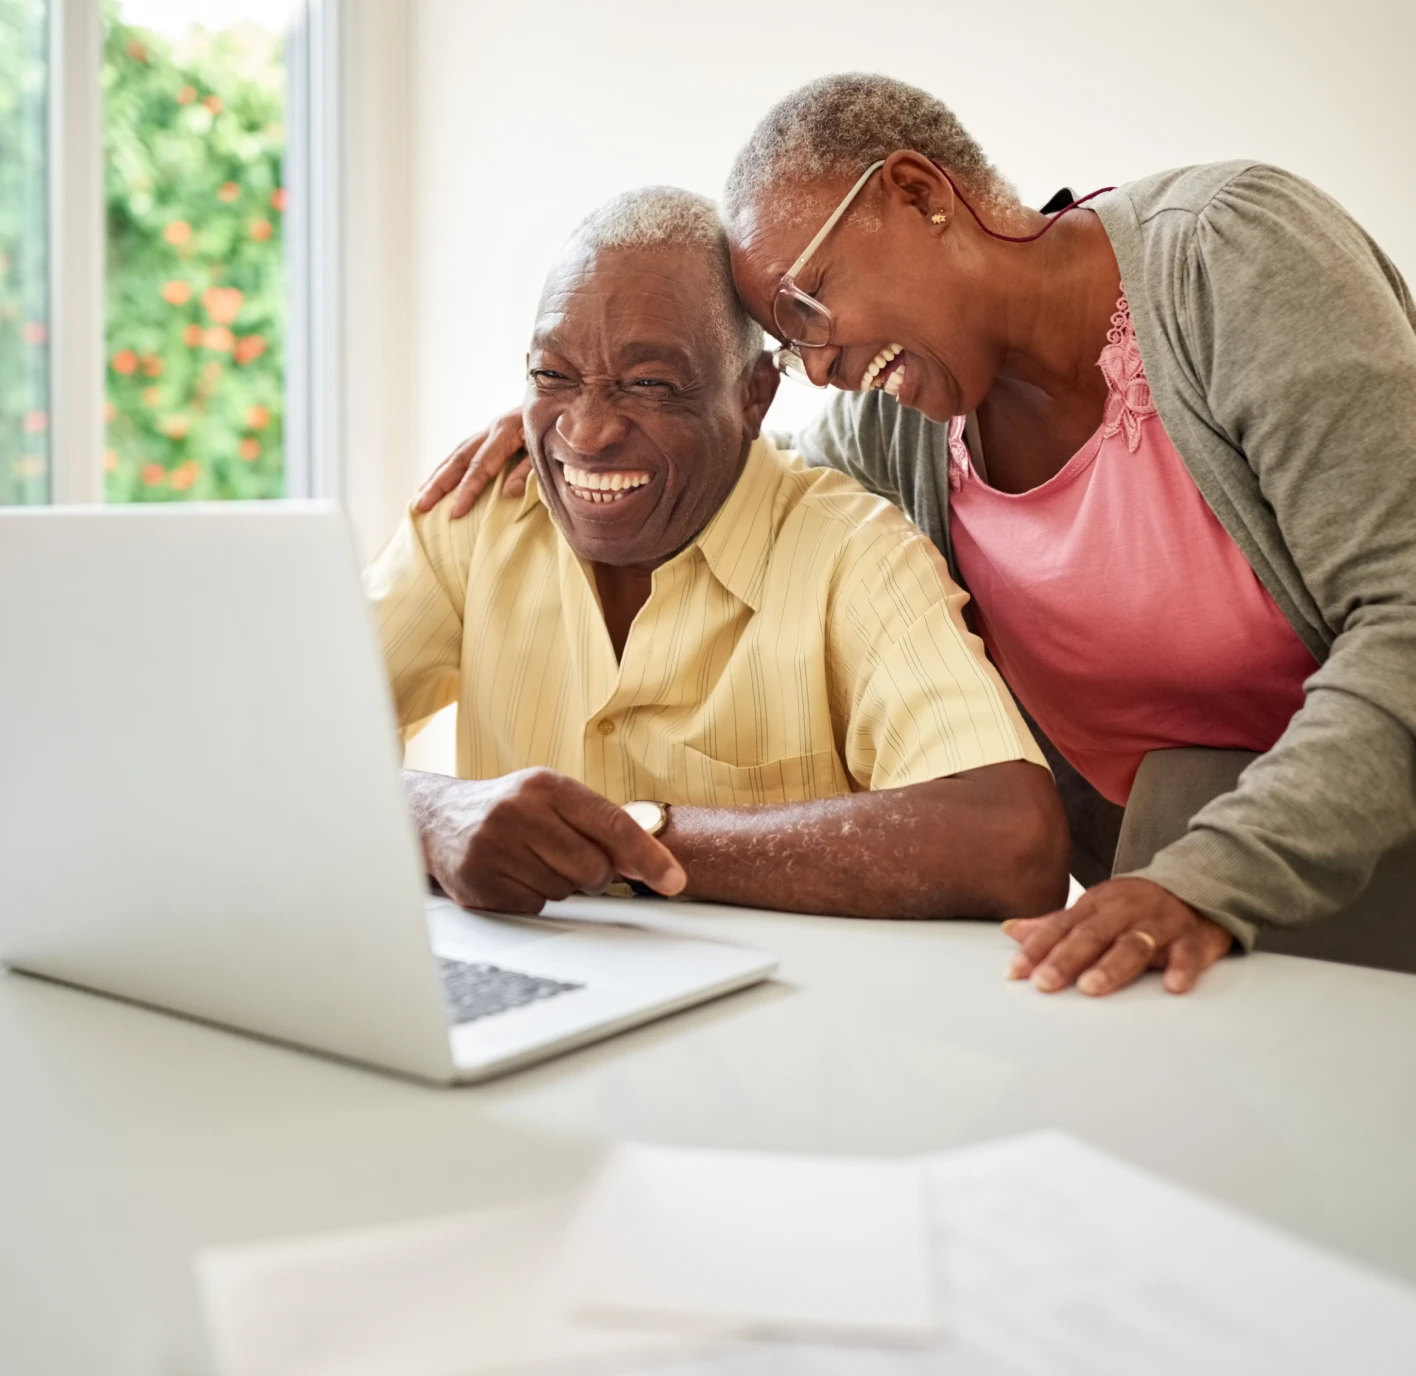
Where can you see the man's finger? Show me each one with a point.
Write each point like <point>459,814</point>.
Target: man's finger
<point>516,480</point>
<point>447,473</point>
<point>498,894</point>
<point>633,852</point>
<point>584,865</point>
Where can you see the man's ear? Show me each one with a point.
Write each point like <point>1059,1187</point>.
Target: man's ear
<point>760,384</point>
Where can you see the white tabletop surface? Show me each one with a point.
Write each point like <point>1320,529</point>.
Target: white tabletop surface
<point>129,1139</point>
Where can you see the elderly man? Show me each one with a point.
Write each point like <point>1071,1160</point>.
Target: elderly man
<point>682,658</point>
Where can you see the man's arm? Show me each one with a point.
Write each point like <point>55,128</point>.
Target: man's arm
<point>955,813</point>
<point>417,587</point>
<point>990,842</point>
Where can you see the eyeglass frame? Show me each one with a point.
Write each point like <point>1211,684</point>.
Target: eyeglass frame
<point>788,358</point>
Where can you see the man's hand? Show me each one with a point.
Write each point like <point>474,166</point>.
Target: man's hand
<point>1113,933</point>
<point>475,463</point>
<point>511,844</point>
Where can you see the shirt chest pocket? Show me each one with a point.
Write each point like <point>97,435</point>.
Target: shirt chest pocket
<point>792,779</point>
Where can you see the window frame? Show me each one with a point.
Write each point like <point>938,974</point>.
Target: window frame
<point>314,381</point>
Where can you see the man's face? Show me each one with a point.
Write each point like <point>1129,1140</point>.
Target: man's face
<point>638,418</point>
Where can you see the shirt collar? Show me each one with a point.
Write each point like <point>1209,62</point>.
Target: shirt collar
<point>737,541</point>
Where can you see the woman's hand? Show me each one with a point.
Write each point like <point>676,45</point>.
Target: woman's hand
<point>1111,934</point>
<point>475,462</point>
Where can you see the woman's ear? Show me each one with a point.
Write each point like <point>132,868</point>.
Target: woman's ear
<point>915,181</point>
<point>759,386</point>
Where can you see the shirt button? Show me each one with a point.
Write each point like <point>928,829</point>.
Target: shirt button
<point>606,727</point>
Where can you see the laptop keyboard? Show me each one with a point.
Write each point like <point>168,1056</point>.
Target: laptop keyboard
<point>479,990</point>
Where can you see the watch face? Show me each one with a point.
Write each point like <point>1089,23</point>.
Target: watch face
<point>650,816</point>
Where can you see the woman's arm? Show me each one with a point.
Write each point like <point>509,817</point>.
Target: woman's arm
<point>1303,336</point>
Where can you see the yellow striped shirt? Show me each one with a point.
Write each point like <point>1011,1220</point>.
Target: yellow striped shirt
<point>807,644</point>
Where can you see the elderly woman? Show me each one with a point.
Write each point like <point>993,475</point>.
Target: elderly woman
<point>1168,441</point>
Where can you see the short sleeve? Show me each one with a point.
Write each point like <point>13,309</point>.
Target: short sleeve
<point>418,586</point>
<point>916,693</point>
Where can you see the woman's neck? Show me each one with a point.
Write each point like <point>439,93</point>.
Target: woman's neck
<point>1048,395</point>
<point>1058,296</point>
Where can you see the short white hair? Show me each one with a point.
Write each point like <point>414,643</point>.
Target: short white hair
<point>833,128</point>
<point>667,217</point>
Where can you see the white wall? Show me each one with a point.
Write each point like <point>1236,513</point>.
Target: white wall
<point>527,115</point>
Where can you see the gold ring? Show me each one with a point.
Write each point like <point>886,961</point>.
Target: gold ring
<point>1145,936</point>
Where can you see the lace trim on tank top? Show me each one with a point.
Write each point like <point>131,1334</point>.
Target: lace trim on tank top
<point>1129,402</point>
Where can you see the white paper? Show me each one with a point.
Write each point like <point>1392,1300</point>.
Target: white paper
<point>1062,1259</point>
<point>757,1243</point>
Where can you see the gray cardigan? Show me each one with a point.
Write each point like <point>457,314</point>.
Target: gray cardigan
<point>1280,346</point>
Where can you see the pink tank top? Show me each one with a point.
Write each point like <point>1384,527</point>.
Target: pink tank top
<point>1117,607</point>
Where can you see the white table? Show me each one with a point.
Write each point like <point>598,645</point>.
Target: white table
<point>129,1139</point>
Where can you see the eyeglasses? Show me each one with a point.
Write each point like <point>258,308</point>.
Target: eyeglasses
<point>802,321</point>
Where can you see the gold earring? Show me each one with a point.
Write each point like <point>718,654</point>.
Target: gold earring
<point>940,217</point>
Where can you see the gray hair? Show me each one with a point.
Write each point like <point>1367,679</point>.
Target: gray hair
<point>835,127</point>
<point>667,217</point>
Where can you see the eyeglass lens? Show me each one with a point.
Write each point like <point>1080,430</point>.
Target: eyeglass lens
<point>800,319</point>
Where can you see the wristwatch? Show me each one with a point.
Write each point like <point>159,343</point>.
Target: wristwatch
<point>653,817</point>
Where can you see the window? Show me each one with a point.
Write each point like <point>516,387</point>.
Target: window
<point>171,264</point>
<point>24,252</point>
<point>194,129</point>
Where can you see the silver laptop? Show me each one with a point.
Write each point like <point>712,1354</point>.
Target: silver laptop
<point>201,808</point>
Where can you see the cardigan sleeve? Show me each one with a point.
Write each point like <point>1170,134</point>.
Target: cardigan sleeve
<point>1302,337</point>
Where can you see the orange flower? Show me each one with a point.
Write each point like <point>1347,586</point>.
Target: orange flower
<point>186,95</point>
<point>185,475</point>
<point>213,103</point>
<point>177,233</point>
<point>110,412</point>
<point>218,339</point>
<point>35,332</point>
<point>228,192</point>
<point>176,293</point>
<point>110,460</point>
<point>249,449</point>
<point>175,427</point>
<point>125,361</point>
<point>138,51</point>
<point>36,422</point>
<point>261,230</point>
<point>211,370</point>
<point>152,365</point>
<point>277,199</point>
<point>153,474</point>
<point>152,395</point>
<point>249,348</point>
<point>258,418</point>
<point>223,304</point>
<point>192,336</point>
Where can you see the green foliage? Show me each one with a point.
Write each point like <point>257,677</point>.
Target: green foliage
<point>24,264</point>
<point>196,290</point>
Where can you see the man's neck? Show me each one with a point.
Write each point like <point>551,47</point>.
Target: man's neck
<point>623,590</point>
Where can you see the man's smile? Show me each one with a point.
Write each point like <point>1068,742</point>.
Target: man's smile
<point>605,487</point>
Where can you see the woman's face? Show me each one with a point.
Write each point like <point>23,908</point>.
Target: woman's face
<point>895,281</point>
